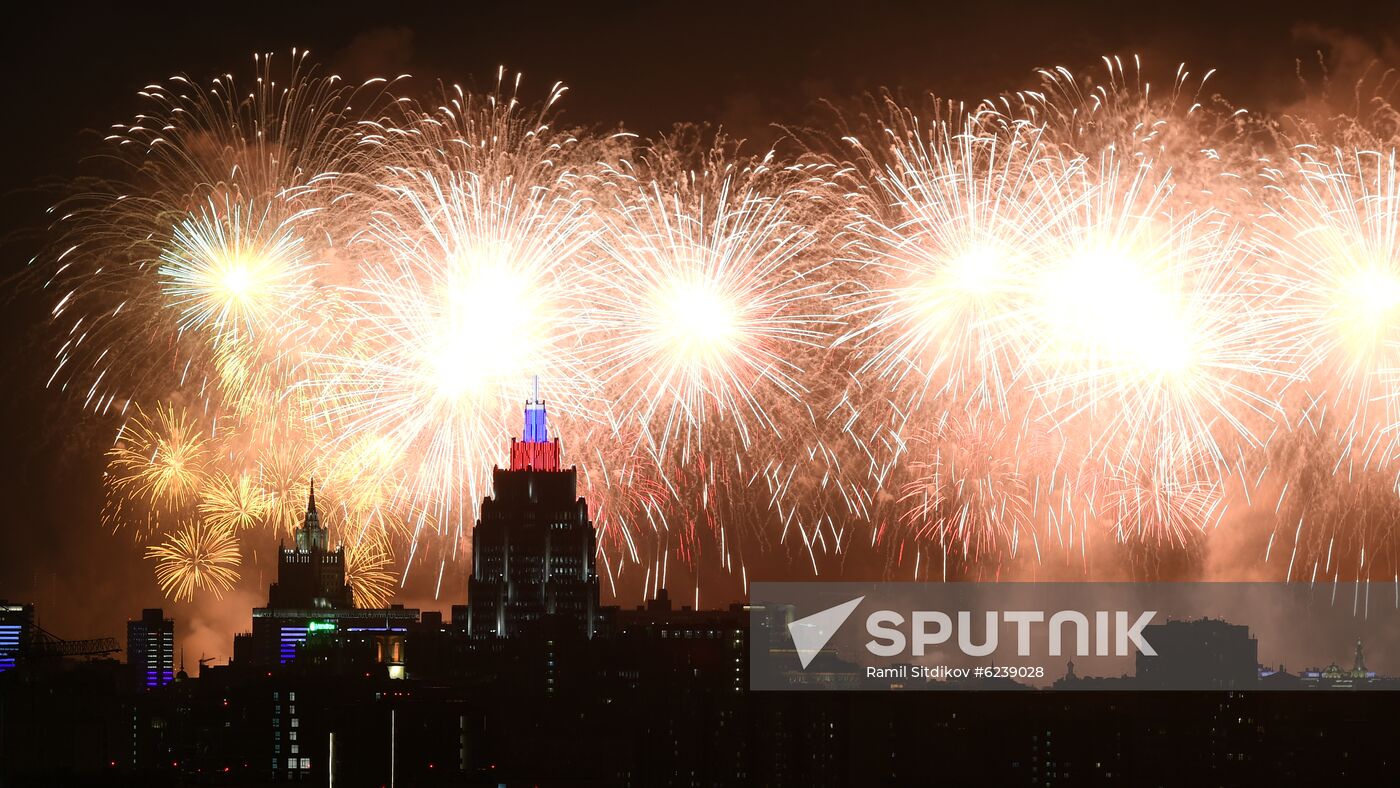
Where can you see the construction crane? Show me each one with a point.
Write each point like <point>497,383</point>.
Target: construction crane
<point>43,643</point>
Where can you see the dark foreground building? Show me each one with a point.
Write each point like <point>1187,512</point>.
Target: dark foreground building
<point>1199,653</point>
<point>658,702</point>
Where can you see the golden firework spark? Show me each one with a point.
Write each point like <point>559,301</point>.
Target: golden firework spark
<point>197,557</point>
<point>368,571</point>
<point>161,458</point>
<point>234,502</point>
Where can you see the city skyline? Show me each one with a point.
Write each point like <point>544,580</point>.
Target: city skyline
<point>657,393</point>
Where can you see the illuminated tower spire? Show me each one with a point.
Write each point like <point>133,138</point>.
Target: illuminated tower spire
<point>534,450</point>
<point>311,534</point>
<point>536,424</point>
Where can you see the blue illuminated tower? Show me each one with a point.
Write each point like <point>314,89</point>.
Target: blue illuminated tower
<point>150,646</point>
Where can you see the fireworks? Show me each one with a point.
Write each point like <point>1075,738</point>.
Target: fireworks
<point>1332,230</point>
<point>476,230</point>
<point>197,557</point>
<point>1146,323</point>
<point>160,459</point>
<point>988,334</point>
<point>704,303</point>
<point>367,571</point>
<point>943,242</point>
<point>970,493</point>
<point>227,272</point>
<point>234,503</point>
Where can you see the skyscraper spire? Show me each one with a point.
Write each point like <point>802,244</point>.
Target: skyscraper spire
<point>536,421</point>
<point>311,534</point>
<point>534,449</point>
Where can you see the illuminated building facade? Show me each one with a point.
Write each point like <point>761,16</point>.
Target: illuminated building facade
<point>533,547</point>
<point>1336,677</point>
<point>150,647</point>
<point>16,625</point>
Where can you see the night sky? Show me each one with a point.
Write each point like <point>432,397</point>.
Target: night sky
<point>746,66</point>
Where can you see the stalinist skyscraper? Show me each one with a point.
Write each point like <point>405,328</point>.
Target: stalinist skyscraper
<point>533,548</point>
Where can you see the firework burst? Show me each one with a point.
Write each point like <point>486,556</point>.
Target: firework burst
<point>368,571</point>
<point>968,331</point>
<point>197,557</point>
<point>703,299</point>
<point>970,492</point>
<point>160,459</point>
<point>942,239</point>
<point>1333,229</point>
<point>1146,321</point>
<point>233,502</point>
<point>476,228</point>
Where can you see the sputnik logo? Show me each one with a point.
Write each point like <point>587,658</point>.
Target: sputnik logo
<point>810,634</point>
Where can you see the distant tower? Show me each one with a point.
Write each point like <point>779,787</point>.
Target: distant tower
<point>310,595</point>
<point>533,548</point>
<point>1358,669</point>
<point>150,646</point>
<point>310,575</point>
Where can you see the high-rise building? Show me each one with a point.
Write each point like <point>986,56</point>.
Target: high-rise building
<point>533,547</point>
<point>312,596</point>
<point>16,627</point>
<point>150,647</point>
<point>309,573</point>
<point>1203,653</point>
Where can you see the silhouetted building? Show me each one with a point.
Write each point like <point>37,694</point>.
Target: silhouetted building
<point>311,596</point>
<point>1202,653</point>
<point>689,641</point>
<point>533,548</point>
<point>150,647</point>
